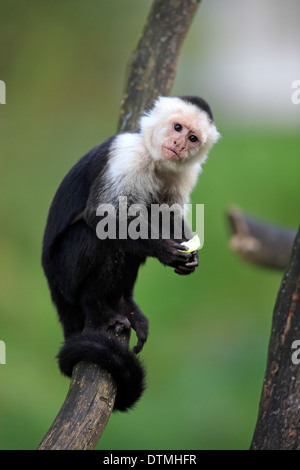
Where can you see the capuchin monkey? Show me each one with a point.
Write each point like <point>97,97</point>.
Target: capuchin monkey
<point>92,280</point>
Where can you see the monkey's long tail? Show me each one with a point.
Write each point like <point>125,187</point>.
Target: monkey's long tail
<point>124,366</point>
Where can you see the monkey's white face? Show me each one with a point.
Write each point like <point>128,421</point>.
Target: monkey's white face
<point>176,131</point>
<point>179,140</point>
<point>174,140</point>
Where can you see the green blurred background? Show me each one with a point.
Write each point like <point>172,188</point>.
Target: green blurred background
<point>63,63</point>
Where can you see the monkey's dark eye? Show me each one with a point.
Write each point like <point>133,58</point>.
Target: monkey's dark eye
<point>178,127</point>
<point>193,138</point>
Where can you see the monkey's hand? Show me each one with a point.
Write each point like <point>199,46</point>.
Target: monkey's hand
<point>118,323</point>
<point>170,254</point>
<point>190,266</point>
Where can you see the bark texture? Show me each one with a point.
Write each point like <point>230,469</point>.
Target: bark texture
<point>151,70</point>
<point>278,423</point>
<point>85,412</point>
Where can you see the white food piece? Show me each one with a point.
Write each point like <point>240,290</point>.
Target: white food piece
<point>193,244</point>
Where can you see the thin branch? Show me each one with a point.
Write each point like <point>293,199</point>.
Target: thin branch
<point>278,423</point>
<point>151,70</point>
<point>259,242</point>
<point>90,399</point>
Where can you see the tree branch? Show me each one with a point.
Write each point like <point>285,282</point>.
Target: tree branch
<point>85,412</point>
<point>151,70</point>
<point>259,242</point>
<point>278,423</point>
<point>90,399</point>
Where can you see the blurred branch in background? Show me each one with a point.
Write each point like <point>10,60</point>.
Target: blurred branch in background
<point>259,242</point>
<point>89,403</point>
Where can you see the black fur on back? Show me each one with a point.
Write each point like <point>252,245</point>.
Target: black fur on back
<point>96,347</point>
<point>89,277</point>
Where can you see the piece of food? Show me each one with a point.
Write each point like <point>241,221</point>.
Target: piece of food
<point>193,244</point>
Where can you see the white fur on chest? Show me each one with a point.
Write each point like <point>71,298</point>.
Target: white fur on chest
<point>132,172</point>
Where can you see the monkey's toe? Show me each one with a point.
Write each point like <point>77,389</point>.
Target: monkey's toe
<point>118,324</point>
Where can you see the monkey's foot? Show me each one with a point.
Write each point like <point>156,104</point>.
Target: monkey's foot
<point>118,324</point>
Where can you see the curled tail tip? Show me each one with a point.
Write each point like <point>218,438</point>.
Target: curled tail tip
<point>96,347</point>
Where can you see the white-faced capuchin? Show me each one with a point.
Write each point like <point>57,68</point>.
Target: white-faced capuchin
<point>92,280</point>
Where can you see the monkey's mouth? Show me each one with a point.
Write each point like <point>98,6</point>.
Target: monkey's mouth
<point>170,154</point>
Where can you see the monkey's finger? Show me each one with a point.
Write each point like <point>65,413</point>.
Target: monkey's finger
<point>194,259</point>
<point>183,248</point>
<point>183,273</point>
<point>182,257</point>
<point>183,270</point>
<point>192,264</point>
<point>179,246</point>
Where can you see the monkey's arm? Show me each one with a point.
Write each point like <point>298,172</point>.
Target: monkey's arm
<point>167,251</point>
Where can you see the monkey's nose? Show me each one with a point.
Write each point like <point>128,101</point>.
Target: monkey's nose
<point>180,144</point>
